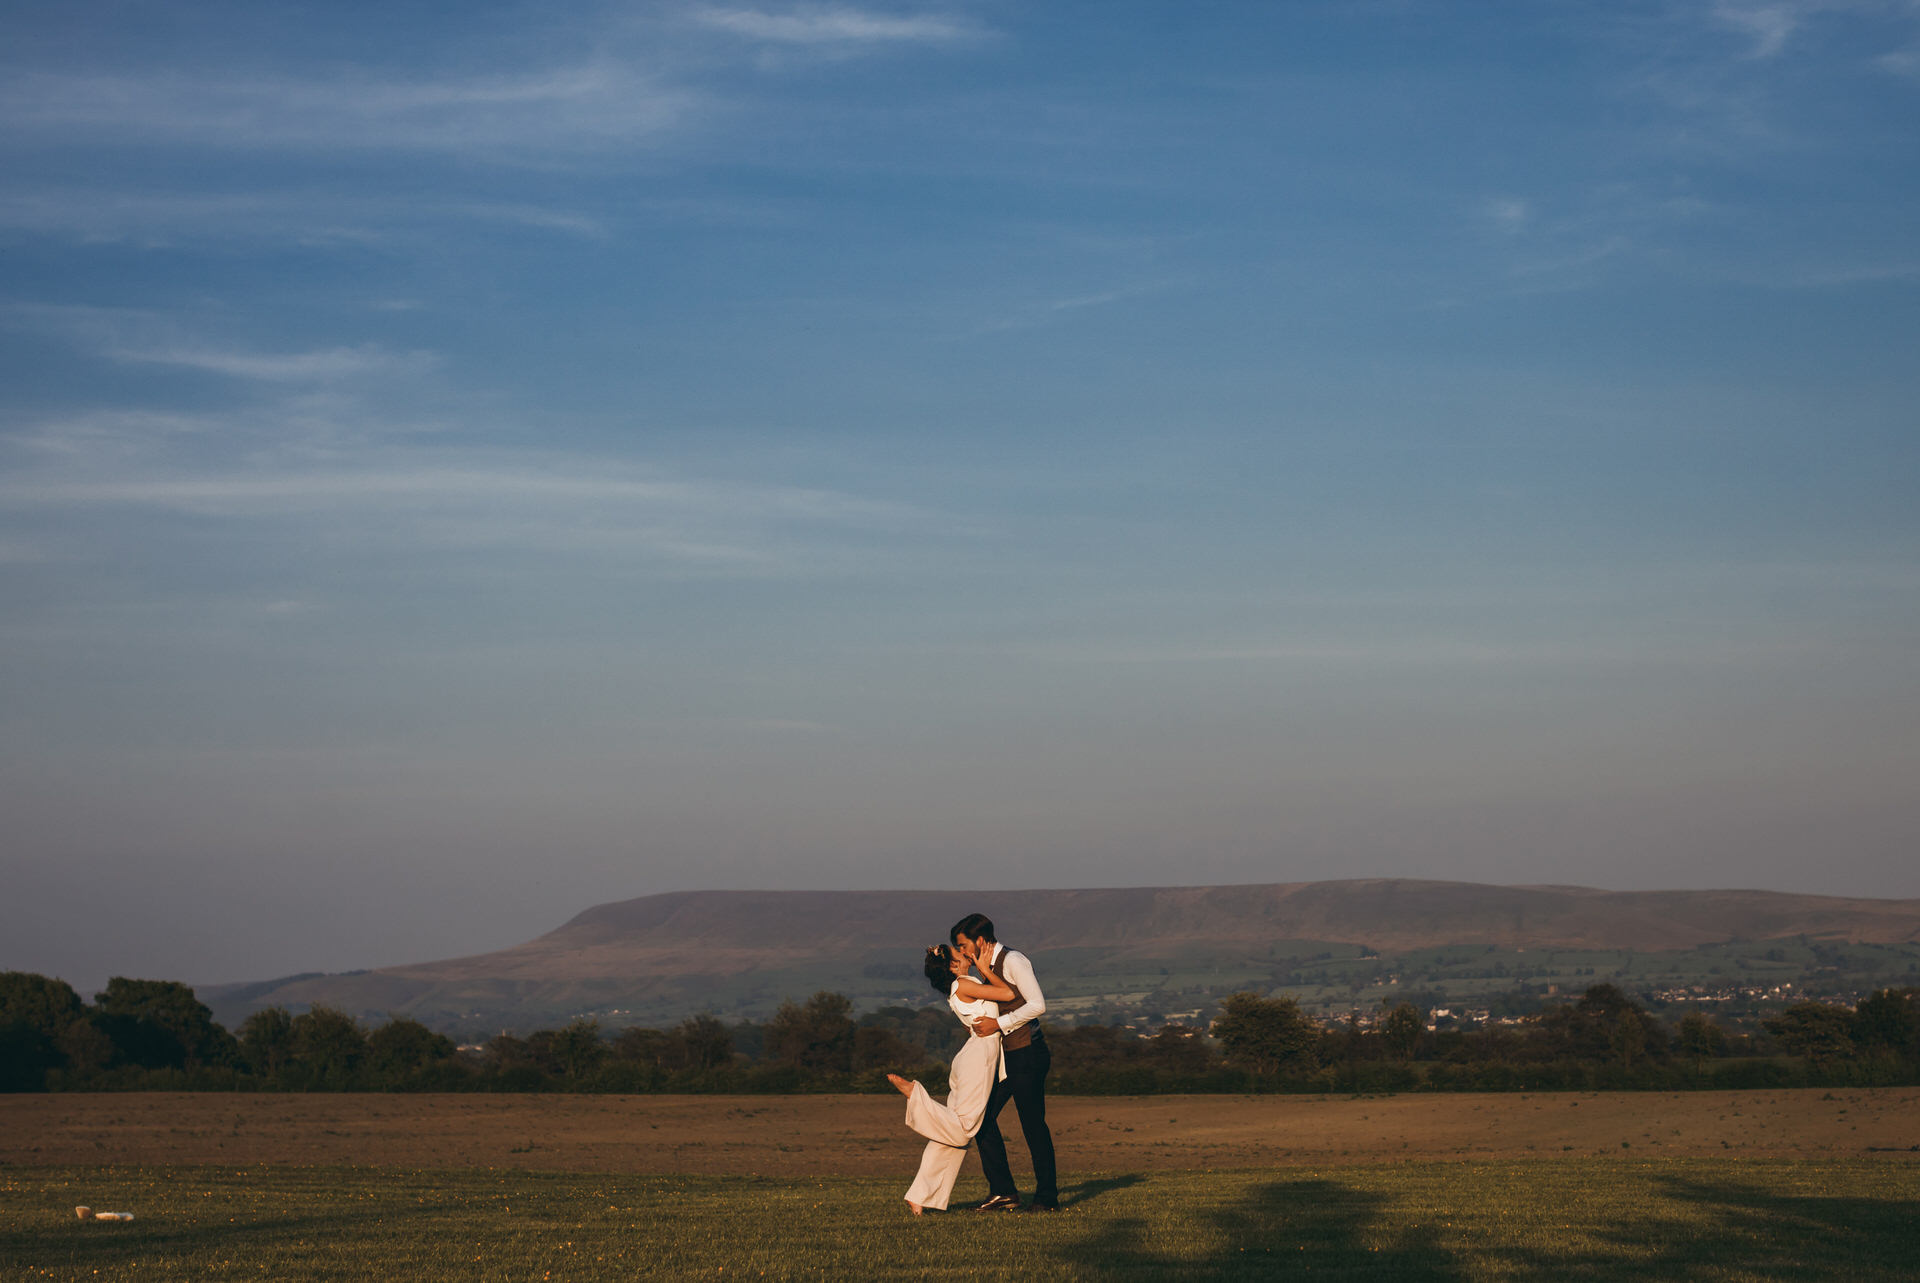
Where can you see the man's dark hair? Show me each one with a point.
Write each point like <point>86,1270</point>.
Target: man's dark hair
<point>975,926</point>
<point>939,969</point>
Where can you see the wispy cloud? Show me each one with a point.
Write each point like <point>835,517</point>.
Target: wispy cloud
<point>1713,78</point>
<point>590,106</point>
<point>1771,26</point>
<point>469,500</point>
<point>1901,62</point>
<point>1508,213</point>
<point>553,220</point>
<point>1830,275</point>
<point>1047,311</point>
<point>322,365</point>
<point>833,25</point>
<point>1566,239</point>
<point>1767,26</point>
<point>544,480</point>
<point>108,215</point>
<point>89,436</point>
<point>1564,259</point>
<point>144,337</point>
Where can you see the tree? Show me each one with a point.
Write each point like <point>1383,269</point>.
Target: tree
<point>1267,1035</point>
<point>1346,1044</point>
<point>878,1048</point>
<point>1402,1029</point>
<point>1080,1048</point>
<point>1629,1031</point>
<point>1889,1020</point>
<point>578,1049</point>
<point>704,1042</point>
<point>1821,1033</point>
<point>87,1048</point>
<point>1627,1038</point>
<point>266,1040</point>
<point>653,1047</point>
<point>160,1024</point>
<point>403,1047</point>
<point>932,1029</point>
<point>328,1045</point>
<point>817,1036</point>
<point>1701,1038</point>
<point>1605,1024</point>
<point>39,1002</point>
<point>1179,1049</point>
<point>525,1064</point>
<point>35,1013</point>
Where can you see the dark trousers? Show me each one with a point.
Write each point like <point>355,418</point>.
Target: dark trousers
<point>1026,1086</point>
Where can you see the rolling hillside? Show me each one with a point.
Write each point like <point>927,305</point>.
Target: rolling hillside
<point>739,953</point>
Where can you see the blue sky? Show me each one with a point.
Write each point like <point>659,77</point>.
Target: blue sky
<point>460,464</point>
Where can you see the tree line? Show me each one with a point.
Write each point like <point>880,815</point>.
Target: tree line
<point>156,1035</point>
<point>1603,1040</point>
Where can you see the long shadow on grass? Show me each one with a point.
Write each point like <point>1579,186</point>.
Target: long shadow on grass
<point>1087,1191</point>
<point>1727,1226</point>
<point>1305,1224</point>
<point>1796,1235</point>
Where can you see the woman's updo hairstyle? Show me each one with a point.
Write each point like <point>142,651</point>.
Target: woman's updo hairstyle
<point>939,968</point>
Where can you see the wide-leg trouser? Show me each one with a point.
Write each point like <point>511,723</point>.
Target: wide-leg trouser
<point>949,1128</point>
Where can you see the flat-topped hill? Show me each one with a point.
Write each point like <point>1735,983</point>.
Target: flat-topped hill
<point>740,952</point>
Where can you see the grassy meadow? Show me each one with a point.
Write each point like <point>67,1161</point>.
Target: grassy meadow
<point>1593,1218</point>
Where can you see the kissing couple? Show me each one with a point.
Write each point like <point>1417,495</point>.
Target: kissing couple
<point>1005,1058</point>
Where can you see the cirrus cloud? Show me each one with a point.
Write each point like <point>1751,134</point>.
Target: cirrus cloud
<point>832,25</point>
<point>590,106</point>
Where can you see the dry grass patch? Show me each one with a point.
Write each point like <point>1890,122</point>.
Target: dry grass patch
<point>863,1135</point>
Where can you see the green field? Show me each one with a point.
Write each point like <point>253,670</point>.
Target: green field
<point>1586,1218</point>
<point>1330,978</point>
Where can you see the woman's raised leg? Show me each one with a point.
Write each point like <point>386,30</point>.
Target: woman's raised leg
<point>933,1184</point>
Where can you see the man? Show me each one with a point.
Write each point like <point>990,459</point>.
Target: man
<point>1027,1062</point>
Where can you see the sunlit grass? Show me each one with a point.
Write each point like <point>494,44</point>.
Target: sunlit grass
<point>1586,1218</point>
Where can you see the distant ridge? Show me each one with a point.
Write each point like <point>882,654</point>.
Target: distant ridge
<point>1385,913</point>
<point>648,958</point>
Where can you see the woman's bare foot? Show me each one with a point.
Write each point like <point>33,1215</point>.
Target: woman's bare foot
<point>902,1086</point>
<point>915,1207</point>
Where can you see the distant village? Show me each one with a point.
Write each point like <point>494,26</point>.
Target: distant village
<point>1731,1004</point>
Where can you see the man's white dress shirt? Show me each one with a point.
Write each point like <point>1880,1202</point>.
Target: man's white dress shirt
<point>1017,971</point>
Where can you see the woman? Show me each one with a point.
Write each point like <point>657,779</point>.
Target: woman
<point>949,1128</point>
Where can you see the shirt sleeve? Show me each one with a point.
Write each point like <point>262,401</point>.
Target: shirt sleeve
<point>1018,972</point>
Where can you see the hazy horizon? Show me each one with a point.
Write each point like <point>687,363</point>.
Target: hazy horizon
<point>86,985</point>
<point>460,465</point>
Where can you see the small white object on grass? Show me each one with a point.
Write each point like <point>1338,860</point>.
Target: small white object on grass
<point>88,1214</point>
